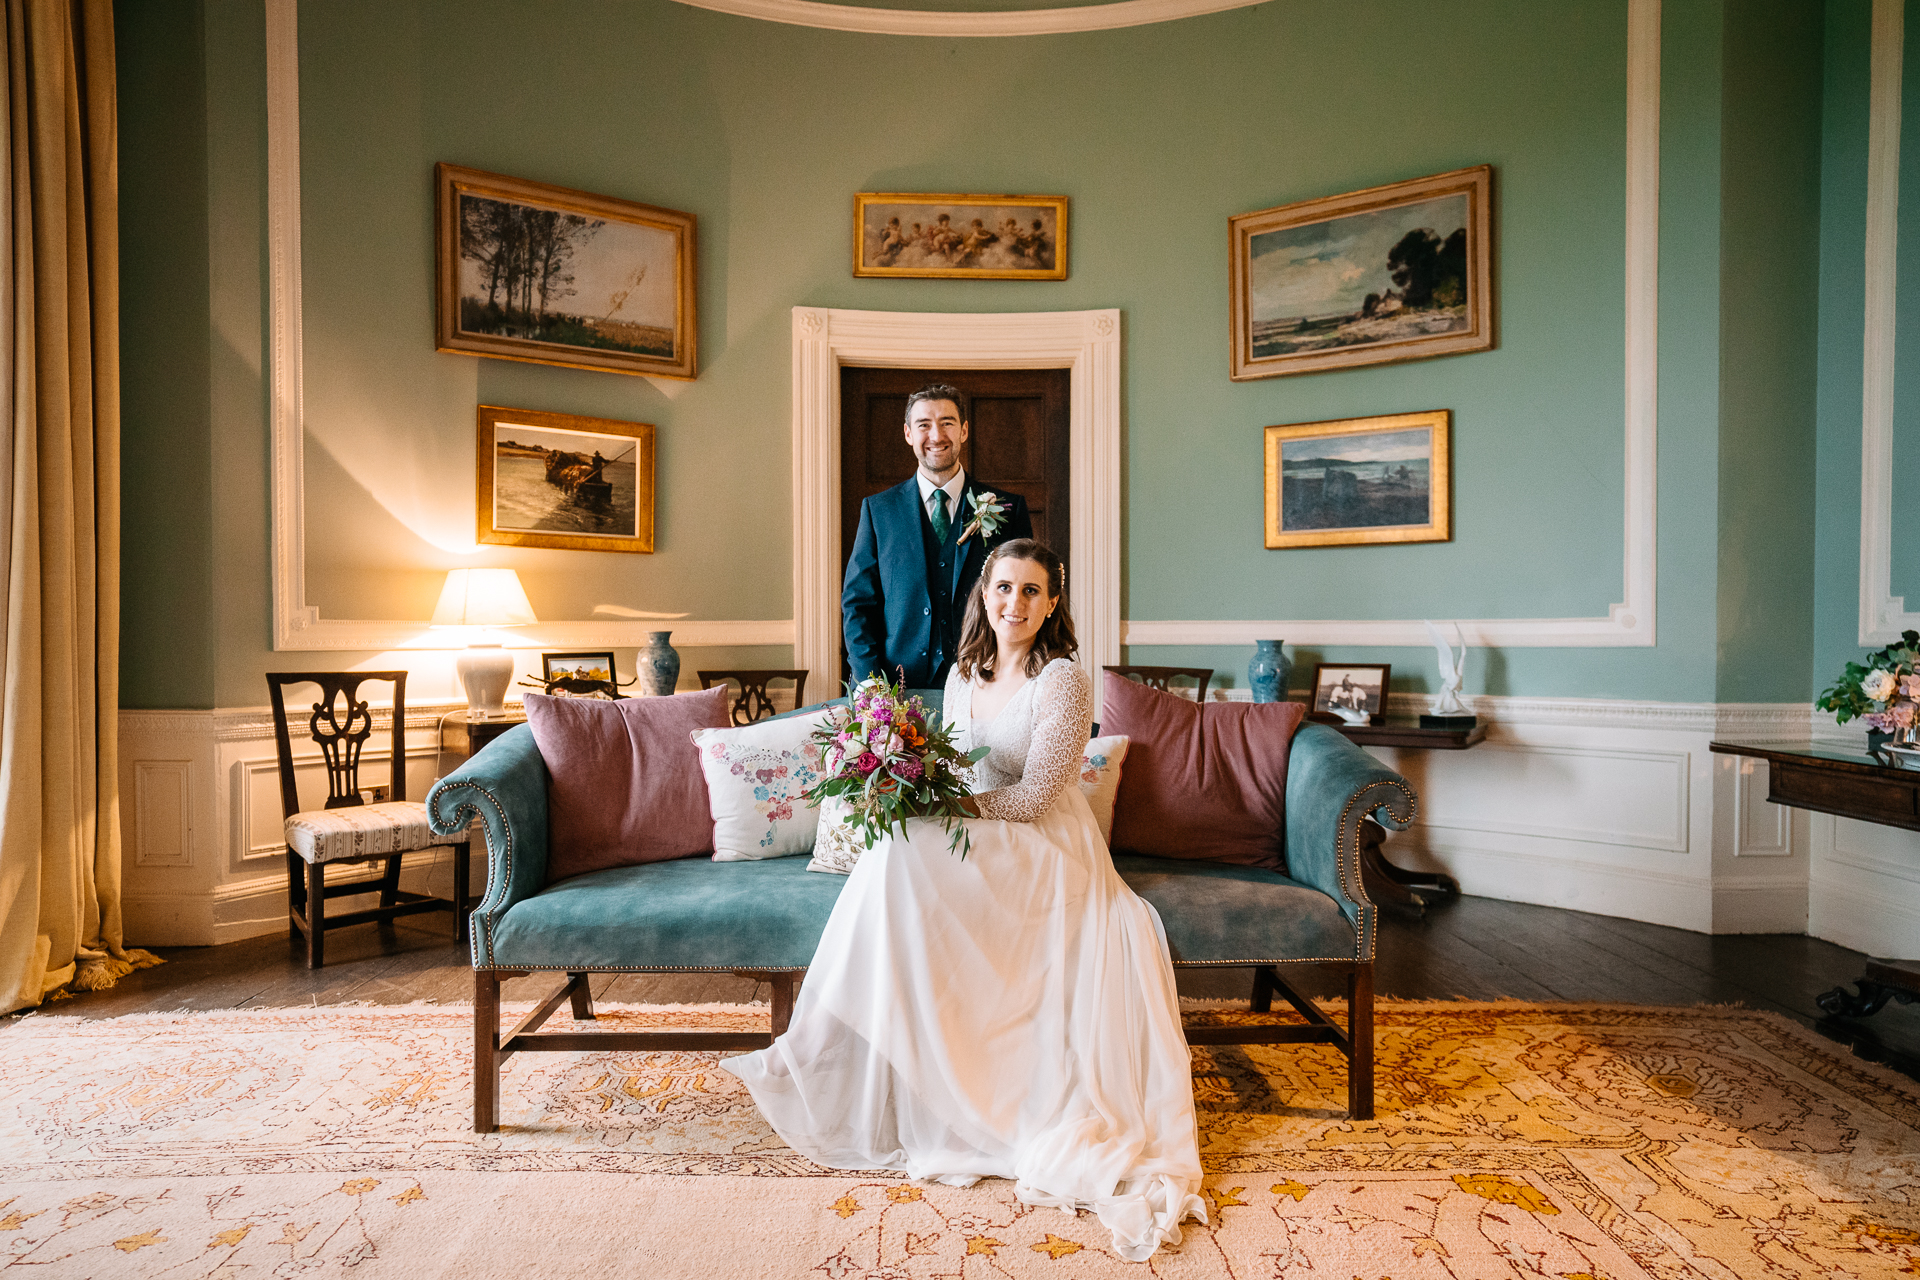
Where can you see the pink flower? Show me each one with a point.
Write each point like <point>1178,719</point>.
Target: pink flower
<point>1901,714</point>
<point>908,770</point>
<point>867,762</point>
<point>883,715</point>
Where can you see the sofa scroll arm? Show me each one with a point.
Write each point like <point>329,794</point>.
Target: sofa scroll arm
<point>1332,787</point>
<point>505,786</point>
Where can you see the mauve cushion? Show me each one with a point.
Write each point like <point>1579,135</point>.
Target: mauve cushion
<point>626,786</point>
<point>1204,781</point>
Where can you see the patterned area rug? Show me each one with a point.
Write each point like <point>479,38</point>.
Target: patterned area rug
<point>1514,1140</point>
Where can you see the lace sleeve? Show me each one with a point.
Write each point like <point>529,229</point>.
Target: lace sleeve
<point>1062,715</point>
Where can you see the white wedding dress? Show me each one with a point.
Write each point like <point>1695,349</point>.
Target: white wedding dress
<point>1009,1015</point>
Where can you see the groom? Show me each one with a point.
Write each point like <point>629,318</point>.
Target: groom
<point>909,575</point>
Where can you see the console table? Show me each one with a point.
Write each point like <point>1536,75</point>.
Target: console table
<point>1386,883</point>
<point>1848,782</point>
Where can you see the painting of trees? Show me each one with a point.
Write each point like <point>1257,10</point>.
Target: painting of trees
<point>523,252</point>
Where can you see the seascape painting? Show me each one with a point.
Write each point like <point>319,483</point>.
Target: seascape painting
<point>557,480</point>
<point>1395,273</point>
<point>983,237</point>
<point>1359,480</point>
<point>1356,482</point>
<point>1384,276</point>
<point>544,274</point>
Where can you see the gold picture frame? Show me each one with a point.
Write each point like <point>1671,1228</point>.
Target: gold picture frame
<point>564,481</point>
<point>1399,272</point>
<point>549,275</point>
<point>939,236</point>
<point>1360,480</point>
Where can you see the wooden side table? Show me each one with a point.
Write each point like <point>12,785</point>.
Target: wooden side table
<point>1388,884</point>
<point>463,733</point>
<point>1836,778</point>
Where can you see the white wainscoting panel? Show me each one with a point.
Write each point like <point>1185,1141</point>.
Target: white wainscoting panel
<point>163,812</point>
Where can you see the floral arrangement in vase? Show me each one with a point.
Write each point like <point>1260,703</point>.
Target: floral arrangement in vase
<point>1883,692</point>
<point>888,758</point>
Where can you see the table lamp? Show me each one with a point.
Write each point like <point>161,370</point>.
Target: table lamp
<point>481,598</point>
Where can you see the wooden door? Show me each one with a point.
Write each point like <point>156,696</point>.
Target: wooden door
<point>1017,439</point>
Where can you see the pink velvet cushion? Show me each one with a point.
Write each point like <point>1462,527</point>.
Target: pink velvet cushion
<point>625,785</point>
<point>1203,781</point>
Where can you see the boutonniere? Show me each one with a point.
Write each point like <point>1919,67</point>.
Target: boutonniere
<point>988,514</point>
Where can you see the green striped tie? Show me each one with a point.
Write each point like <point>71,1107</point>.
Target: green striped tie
<point>942,524</point>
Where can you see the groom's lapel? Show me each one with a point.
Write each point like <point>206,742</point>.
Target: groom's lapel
<point>972,547</point>
<point>909,519</point>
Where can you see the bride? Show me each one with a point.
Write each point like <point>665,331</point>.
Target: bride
<point>1012,1014</point>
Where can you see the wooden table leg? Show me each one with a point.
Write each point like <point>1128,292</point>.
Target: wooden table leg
<point>1884,980</point>
<point>1393,886</point>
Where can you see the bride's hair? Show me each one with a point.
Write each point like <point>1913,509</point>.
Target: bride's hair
<point>1055,638</point>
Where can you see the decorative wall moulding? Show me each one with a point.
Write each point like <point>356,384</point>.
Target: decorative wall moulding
<point>921,22</point>
<point>1883,615</point>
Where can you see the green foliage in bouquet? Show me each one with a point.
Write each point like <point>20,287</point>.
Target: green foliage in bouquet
<point>888,758</point>
<point>1878,690</point>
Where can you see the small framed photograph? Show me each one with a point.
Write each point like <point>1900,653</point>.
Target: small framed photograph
<point>526,271</point>
<point>1369,480</point>
<point>579,675</point>
<point>973,237</point>
<point>1351,692</point>
<point>560,480</point>
<point>1400,272</point>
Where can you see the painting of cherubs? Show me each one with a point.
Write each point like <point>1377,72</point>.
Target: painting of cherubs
<point>991,237</point>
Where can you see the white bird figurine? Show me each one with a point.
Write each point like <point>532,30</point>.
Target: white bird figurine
<point>1453,669</point>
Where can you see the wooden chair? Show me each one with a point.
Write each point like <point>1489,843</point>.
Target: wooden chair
<point>347,829</point>
<point>1157,677</point>
<point>754,701</point>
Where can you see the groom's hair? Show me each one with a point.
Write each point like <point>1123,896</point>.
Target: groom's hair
<point>938,391</point>
<point>1055,639</point>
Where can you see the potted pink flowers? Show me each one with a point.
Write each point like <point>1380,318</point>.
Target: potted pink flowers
<point>1884,692</point>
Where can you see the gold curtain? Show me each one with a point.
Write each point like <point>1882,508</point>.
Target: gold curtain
<point>60,505</point>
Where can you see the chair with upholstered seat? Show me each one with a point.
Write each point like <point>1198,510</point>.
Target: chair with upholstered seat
<point>347,829</point>
<point>1159,677</point>
<point>755,700</point>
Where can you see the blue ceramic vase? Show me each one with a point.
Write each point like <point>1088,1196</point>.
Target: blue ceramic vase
<point>659,665</point>
<point>1267,673</point>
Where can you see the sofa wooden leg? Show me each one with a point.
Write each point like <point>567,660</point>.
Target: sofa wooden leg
<point>782,984</point>
<point>486,1051</point>
<point>581,995</point>
<point>1263,984</point>
<point>1360,1034</point>
<point>316,914</point>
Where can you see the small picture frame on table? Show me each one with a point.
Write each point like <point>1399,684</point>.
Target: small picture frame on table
<point>580,675</point>
<point>1350,693</point>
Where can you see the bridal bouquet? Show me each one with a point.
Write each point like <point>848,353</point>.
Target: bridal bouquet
<point>887,758</point>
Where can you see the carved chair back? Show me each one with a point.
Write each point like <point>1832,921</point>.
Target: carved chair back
<point>341,723</point>
<point>1159,677</point>
<point>754,700</point>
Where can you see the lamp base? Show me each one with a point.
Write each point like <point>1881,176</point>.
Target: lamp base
<point>485,671</point>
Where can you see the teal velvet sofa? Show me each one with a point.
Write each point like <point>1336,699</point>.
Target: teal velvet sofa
<point>765,918</point>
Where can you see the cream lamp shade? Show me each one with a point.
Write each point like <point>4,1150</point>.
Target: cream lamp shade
<point>484,598</point>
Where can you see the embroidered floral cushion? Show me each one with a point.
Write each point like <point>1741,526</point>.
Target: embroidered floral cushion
<point>837,846</point>
<point>755,776</point>
<point>1100,778</point>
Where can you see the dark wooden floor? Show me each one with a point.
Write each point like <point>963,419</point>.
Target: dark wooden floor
<point>1477,948</point>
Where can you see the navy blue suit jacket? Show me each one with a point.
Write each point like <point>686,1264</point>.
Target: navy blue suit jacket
<point>891,614</point>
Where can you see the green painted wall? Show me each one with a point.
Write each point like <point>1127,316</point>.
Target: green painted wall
<point>1769,290</point>
<point>166,564</point>
<point>1158,134</point>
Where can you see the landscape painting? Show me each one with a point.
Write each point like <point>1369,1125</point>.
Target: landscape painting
<point>1395,273</point>
<point>559,480</point>
<point>553,276</point>
<point>1359,480</point>
<point>978,237</point>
